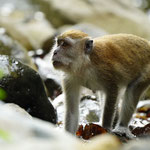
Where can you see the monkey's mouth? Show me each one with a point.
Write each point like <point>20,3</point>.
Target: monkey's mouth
<point>57,64</point>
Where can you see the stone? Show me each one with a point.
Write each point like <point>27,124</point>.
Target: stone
<point>143,144</point>
<point>103,142</point>
<point>111,15</point>
<point>10,47</point>
<point>19,132</point>
<point>16,108</point>
<point>23,86</point>
<point>90,110</point>
<point>25,23</point>
<point>53,88</point>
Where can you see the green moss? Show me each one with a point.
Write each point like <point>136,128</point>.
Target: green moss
<point>3,94</point>
<point>14,74</point>
<point>1,74</point>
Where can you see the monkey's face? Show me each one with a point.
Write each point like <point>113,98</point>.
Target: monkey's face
<point>62,53</point>
<point>68,52</point>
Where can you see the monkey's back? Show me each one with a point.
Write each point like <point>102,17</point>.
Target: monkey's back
<point>121,54</point>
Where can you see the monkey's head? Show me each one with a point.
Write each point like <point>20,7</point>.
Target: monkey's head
<point>71,51</point>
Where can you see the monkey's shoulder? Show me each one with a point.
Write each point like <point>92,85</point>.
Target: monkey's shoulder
<point>121,49</point>
<point>119,37</point>
<point>121,42</point>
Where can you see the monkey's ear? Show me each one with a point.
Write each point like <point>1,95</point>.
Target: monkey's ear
<point>88,46</point>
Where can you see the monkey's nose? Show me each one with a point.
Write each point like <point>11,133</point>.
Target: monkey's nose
<point>55,52</point>
<point>54,56</point>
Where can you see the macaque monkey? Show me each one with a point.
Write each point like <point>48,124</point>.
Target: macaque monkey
<point>107,63</point>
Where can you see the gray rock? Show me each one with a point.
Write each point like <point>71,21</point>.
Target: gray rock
<point>10,47</point>
<point>90,110</point>
<point>111,15</point>
<point>137,145</point>
<point>16,108</point>
<point>18,132</point>
<point>25,23</point>
<point>23,86</point>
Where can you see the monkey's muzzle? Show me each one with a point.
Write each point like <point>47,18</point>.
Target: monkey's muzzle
<point>56,63</point>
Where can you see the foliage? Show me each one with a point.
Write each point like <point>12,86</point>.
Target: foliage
<point>3,94</point>
<point>4,135</point>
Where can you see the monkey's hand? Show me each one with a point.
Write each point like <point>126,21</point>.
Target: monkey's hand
<point>123,132</point>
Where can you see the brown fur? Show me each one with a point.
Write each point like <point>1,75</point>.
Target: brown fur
<point>74,34</point>
<point>122,55</point>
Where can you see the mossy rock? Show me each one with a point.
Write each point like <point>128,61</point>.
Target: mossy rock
<point>23,86</point>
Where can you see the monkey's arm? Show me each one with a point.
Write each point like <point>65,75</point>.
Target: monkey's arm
<point>71,89</point>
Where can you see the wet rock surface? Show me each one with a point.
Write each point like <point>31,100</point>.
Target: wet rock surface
<point>10,47</point>
<point>23,86</point>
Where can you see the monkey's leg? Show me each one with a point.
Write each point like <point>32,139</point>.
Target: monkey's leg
<point>109,107</point>
<point>116,117</point>
<point>131,98</point>
<point>71,106</point>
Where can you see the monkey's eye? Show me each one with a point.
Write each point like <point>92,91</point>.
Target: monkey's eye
<point>64,44</point>
<point>59,42</point>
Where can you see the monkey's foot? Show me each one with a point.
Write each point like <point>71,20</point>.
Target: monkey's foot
<point>123,133</point>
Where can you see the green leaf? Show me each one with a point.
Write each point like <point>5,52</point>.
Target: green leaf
<point>3,94</point>
<point>4,135</point>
